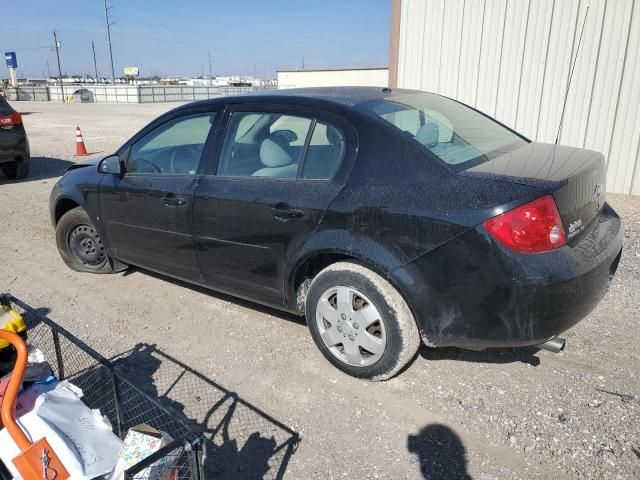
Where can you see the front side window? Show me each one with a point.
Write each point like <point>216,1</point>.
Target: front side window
<point>174,148</point>
<point>458,135</point>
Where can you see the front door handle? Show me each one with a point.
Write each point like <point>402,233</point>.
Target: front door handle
<point>283,211</point>
<point>170,200</point>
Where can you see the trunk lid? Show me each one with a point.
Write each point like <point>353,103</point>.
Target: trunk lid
<point>7,133</point>
<point>575,177</point>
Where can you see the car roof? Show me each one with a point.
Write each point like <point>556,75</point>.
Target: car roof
<point>338,96</point>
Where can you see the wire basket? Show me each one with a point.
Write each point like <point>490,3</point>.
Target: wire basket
<point>117,398</point>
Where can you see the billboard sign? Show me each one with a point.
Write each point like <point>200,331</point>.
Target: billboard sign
<point>131,71</point>
<point>10,58</point>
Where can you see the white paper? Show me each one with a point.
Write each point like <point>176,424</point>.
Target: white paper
<point>78,435</point>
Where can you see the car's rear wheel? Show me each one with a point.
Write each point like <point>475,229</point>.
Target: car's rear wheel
<point>79,243</point>
<point>16,170</point>
<point>360,322</point>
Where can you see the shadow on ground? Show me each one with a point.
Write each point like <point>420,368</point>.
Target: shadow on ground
<point>300,320</point>
<point>40,168</point>
<point>441,453</point>
<point>490,355</point>
<point>242,442</point>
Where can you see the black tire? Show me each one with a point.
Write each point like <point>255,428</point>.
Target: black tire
<point>16,170</point>
<point>401,337</point>
<point>79,243</point>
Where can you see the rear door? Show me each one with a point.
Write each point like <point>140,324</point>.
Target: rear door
<point>147,211</point>
<point>278,170</point>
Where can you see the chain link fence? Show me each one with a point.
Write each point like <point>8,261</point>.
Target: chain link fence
<point>40,94</point>
<point>126,93</point>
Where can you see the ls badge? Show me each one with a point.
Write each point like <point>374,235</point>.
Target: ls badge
<point>575,228</point>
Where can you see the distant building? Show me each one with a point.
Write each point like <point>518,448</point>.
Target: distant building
<point>369,77</point>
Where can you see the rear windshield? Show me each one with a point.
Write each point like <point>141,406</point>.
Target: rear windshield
<point>453,132</point>
<point>4,106</point>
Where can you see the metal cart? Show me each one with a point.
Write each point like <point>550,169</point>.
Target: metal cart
<point>118,398</point>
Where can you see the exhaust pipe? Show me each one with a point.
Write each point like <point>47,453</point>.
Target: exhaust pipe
<point>554,345</point>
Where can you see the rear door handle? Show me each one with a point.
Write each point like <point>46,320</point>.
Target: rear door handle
<point>282,211</point>
<point>170,200</point>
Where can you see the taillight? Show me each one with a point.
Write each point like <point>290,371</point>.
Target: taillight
<point>12,119</point>
<point>532,228</point>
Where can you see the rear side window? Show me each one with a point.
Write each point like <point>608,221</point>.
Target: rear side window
<point>263,145</point>
<point>277,145</point>
<point>458,135</point>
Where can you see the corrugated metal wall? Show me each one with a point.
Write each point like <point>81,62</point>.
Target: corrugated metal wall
<point>512,58</point>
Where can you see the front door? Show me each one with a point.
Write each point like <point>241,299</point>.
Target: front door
<point>147,211</point>
<point>275,178</point>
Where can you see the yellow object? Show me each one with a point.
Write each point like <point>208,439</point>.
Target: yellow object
<point>12,321</point>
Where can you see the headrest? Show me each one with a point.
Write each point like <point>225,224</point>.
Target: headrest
<point>273,155</point>
<point>333,136</point>
<point>428,134</point>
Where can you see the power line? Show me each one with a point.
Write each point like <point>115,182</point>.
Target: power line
<point>108,25</point>
<point>95,65</point>
<point>57,46</point>
<point>210,76</point>
<point>28,48</point>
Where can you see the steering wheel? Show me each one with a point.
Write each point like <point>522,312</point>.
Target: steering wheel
<point>189,161</point>
<point>154,167</point>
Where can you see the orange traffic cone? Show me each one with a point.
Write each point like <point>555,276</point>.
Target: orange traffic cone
<point>81,150</point>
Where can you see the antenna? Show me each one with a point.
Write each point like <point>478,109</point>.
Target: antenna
<point>573,67</point>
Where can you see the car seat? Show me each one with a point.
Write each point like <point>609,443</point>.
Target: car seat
<point>276,159</point>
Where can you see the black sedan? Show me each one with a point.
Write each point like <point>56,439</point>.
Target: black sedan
<point>14,145</point>
<point>385,216</point>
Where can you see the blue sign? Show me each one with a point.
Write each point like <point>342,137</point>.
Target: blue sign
<point>12,61</point>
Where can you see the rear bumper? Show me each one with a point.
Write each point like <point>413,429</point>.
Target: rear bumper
<point>15,147</point>
<point>475,293</point>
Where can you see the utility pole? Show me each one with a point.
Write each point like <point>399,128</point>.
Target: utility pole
<point>57,45</point>
<point>108,24</point>
<point>95,65</point>
<point>210,75</point>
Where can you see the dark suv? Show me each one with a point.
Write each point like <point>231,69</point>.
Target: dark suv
<point>384,216</point>
<point>14,145</point>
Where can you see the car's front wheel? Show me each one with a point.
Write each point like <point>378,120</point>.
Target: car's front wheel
<point>79,243</point>
<point>360,322</point>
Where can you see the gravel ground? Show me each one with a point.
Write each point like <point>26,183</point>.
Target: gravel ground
<point>496,414</point>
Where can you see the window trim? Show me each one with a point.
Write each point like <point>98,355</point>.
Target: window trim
<point>312,114</point>
<point>305,149</point>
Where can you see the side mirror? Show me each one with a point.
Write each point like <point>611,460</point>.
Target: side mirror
<point>111,165</point>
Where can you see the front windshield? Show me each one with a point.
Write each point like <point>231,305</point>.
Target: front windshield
<point>456,134</point>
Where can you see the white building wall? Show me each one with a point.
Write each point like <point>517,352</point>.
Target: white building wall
<point>511,59</point>
<point>372,77</point>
